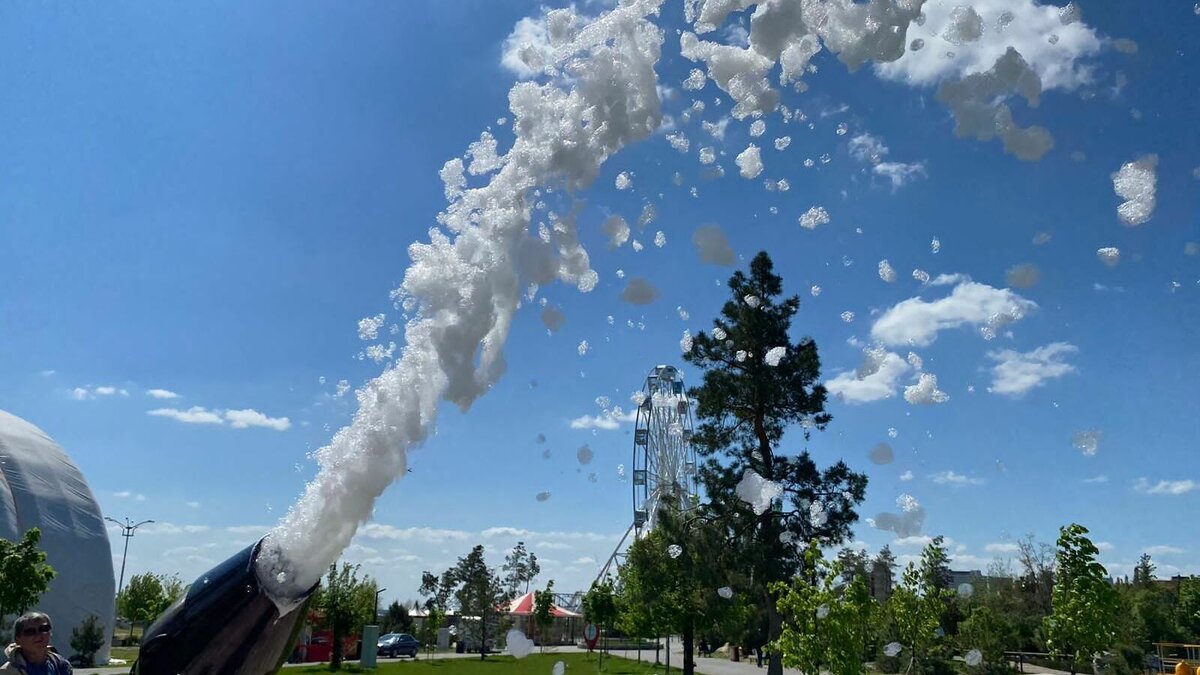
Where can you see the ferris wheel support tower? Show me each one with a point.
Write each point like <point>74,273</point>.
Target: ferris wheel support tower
<point>664,461</point>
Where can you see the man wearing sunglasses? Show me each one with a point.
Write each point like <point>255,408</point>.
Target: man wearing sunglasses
<point>31,653</point>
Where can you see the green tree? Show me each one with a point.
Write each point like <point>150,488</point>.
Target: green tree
<point>143,599</point>
<point>1084,604</point>
<point>825,624</point>
<point>600,608</point>
<point>885,570</point>
<point>670,578</point>
<point>24,574</point>
<point>520,567</point>
<point>88,638</point>
<point>1143,572</point>
<point>397,619</point>
<point>543,615</point>
<point>915,616</point>
<point>745,405</point>
<point>916,607</point>
<point>854,564</point>
<point>479,591</point>
<point>991,633</point>
<point>434,619</point>
<point>935,565</point>
<point>173,589</point>
<point>1188,606</point>
<point>344,603</point>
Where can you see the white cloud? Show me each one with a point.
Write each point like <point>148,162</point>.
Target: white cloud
<point>161,394</point>
<point>1096,479</point>
<point>90,392</point>
<point>548,545</point>
<point>193,505</point>
<point>521,533</point>
<point>1104,546</point>
<point>967,560</point>
<point>238,419</point>
<point>505,532</point>
<point>1165,487</point>
<point>172,528</point>
<point>921,540</point>
<point>586,560</point>
<point>906,476</point>
<point>1015,373</point>
<point>878,384</point>
<point>899,173</point>
<point>916,322</point>
<point>1005,547</point>
<point>380,531</point>
<point>1058,64</point>
<point>123,494</point>
<point>867,148</point>
<point>956,479</point>
<point>241,419</point>
<point>193,415</point>
<point>248,529</point>
<point>610,420</point>
<point>47,373</point>
<point>1163,549</point>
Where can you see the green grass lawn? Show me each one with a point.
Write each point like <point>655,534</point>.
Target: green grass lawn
<point>127,653</point>
<point>535,664</point>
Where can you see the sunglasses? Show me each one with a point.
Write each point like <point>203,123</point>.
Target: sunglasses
<point>30,632</point>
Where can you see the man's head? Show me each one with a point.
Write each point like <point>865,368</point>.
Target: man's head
<point>31,632</point>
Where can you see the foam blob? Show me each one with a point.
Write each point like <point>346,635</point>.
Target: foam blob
<point>518,645</point>
<point>757,491</point>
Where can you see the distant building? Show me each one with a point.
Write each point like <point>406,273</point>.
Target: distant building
<point>958,577</point>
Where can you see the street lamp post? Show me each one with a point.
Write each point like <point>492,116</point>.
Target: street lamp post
<point>127,530</point>
<point>376,618</point>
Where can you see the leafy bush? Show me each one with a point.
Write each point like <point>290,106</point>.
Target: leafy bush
<point>87,639</point>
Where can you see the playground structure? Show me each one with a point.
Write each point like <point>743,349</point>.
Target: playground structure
<point>1171,654</point>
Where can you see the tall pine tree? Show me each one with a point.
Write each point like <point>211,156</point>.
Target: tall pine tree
<point>758,383</point>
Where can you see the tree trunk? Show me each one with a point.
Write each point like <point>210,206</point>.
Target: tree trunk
<point>774,630</point>
<point>335,656</point>
<point>689,640</point>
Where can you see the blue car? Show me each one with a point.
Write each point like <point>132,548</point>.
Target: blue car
<point>398,644</point>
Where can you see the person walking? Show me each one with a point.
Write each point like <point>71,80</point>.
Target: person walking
<point>30,652</point>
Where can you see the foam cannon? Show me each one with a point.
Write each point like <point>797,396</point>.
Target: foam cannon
<point>226,624</point>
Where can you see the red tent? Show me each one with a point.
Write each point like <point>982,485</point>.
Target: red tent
<point>523,606</point>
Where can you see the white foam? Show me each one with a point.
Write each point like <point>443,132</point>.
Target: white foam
<point>775,355</point>
<point>749,162</point>
<point>1135,182</point>
<point>466,280</point>
<point>813,217</point>
<point>757,491</point>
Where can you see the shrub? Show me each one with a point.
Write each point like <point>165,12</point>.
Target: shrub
<point>87,639</point>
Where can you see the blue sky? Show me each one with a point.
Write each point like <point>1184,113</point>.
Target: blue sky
<point>208,202</point>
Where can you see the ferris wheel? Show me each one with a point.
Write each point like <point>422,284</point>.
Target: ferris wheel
<point>664,461</point>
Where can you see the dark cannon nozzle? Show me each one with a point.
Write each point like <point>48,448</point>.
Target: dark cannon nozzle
<point>226,624</point>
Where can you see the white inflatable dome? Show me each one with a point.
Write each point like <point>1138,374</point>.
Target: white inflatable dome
<point>40,487</point>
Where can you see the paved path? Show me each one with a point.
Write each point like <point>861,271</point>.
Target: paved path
<point>709,665</point>
<point>706,666</point>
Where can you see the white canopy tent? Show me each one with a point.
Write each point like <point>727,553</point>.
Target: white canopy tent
<point>40,487</point>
